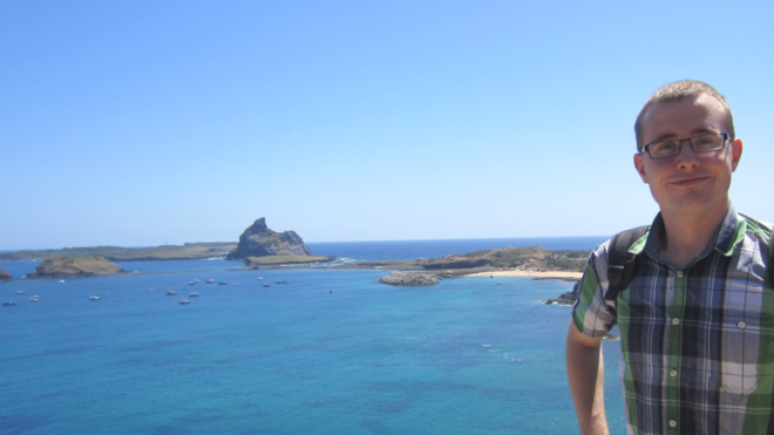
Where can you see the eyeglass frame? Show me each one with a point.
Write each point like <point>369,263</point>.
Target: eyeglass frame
<point>725,136</point>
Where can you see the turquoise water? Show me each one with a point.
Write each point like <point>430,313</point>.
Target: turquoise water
<point>331,352</point>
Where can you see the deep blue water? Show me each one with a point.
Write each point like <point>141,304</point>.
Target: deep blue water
<point>331,352</point>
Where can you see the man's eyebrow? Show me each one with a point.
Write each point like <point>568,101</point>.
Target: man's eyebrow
<point>694,132</point>
<point>704,131</point>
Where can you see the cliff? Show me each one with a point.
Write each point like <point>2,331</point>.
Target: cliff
<point>75,267</point>
<point>5,276</point>
<point>259,241</point>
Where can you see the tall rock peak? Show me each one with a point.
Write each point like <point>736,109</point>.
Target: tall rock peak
<point>259,241</point>
<point>258,226</point>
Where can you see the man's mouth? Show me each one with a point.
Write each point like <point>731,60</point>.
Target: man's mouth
<point>689,181</point>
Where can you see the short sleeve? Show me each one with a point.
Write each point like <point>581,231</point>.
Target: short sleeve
<point>592,315</point>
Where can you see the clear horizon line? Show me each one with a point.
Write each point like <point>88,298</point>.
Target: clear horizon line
<point>307,242</point>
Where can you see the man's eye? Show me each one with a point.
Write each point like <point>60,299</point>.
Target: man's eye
<point>667,146</point>
<point>704,141</point>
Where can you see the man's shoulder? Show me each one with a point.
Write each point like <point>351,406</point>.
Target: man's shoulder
<point>631,240</point>
<point>756,226</point>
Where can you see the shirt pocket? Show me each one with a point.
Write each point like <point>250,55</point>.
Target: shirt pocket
<point>746,339</point>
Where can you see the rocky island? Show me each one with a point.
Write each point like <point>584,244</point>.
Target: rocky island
<point>5,276</point>
<point>408,279</point>
<point>75,267</point>
<point>259,245</point>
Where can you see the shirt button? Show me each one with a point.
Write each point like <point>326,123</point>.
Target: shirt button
<point>673,373</point>
<point>675,321</point>
<point>672,423</point>
<point>680,274</point>
<point>741,324</point>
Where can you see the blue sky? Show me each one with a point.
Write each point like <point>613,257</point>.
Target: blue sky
<point>139,123</point>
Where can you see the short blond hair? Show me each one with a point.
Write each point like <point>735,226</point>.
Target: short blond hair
<point>679,91</point>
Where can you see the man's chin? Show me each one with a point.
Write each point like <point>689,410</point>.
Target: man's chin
<point>692,205</point>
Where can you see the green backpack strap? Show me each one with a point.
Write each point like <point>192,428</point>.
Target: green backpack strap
<point>770,250</point>
<point>620,269</point>
<point>769,265</point>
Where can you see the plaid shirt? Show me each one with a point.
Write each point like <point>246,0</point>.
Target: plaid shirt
<point>697,343</point>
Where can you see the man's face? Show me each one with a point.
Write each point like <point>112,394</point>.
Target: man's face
<point>689,184</point>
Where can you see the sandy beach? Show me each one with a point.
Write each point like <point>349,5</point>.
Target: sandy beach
<point>533,274</point>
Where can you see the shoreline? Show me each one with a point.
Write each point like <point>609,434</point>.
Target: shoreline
<point>563,275</point>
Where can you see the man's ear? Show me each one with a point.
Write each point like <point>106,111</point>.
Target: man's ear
<point>639,164</point>
<point>736,153</point>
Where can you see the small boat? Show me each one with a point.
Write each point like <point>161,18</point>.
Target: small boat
<point>234,283</point>
<point>222,283</point>
<point>8,304</point>
<point>260,278</point>
<point>184,302</point>
<point>171,292</point>
<point>35,298</point>
<point>61,281</point>
<point>266,284</point>
<point>191,283</point>
<point>210,281</point>
<point>93,298</point>
<point>150,291</point>
<point>20,292</point>
<point>193,295</point>
<point>498,283</point>
<point>282,281</point>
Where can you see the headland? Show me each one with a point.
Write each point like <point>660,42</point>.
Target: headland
<point>187,251</point>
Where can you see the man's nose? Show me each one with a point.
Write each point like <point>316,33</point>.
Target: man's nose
<point>687,159</point>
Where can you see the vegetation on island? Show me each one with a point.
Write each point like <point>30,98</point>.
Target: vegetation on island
<point>5,275</point>
<point>188,251</point>
<point>272,260</point>
<point>526,259</point>
<point>529,258</point>
<point>75,267</point>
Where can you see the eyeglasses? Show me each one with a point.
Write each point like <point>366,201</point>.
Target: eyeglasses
<point>699,144</point>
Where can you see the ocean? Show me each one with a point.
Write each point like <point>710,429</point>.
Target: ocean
<point>330,352</point>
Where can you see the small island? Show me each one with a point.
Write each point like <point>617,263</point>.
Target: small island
<point>260,241</point>
<point>75,267</point>
<point>404,279</point>
<point>5,276</point>
<point>261,246</point>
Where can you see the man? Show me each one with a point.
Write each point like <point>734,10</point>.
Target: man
<point>697,320</point>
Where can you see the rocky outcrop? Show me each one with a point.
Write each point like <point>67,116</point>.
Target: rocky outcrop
<point>567,298</point>
<point>408,279</point>
<point>259,241</point>
<point>75,267</point>
<point>5,276</point>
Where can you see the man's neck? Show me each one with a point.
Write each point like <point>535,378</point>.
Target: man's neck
<point>687,236</point>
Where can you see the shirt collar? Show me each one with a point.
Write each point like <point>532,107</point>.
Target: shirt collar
<point>730,233</point>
